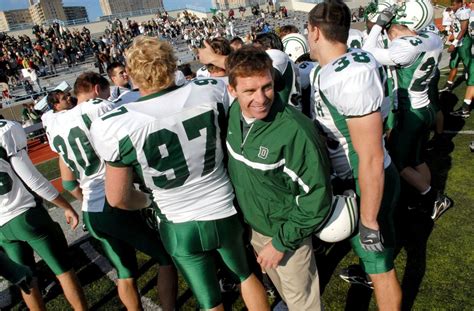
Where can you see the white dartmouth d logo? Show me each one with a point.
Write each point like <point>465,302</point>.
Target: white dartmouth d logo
<point>263,153</point>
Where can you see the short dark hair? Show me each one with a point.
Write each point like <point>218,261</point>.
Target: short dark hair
<point>237,39</point>
<point>269,40</point>
<point>287,29</point>
<point>246,62</point>
<point>87,80</point>
<point>220,46</point>
<point>53,98</point>
<point>112,66</point>
<point>333,18</point>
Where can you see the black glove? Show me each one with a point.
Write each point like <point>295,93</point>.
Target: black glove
<point>370,239</point>
<point>386,16</point>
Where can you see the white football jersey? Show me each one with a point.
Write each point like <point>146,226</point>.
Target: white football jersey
<point>431,28</point>
<point>355,39</point>
<point>382,39</point>
<point>286,67</point>
<point>203,72</point>
<point>46,119</point>
<point>447,18</point>
<point>461,14</point>
<point>15,199</point>
<point>305,69</point>
<point>417,58</point>
<point>225,79</point>
<point>350,86</point>
<point>70,138</point>
<point>173,141</point>
<point>127,97</point>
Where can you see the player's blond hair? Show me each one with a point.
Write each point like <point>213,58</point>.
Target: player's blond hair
<point>151,63</point>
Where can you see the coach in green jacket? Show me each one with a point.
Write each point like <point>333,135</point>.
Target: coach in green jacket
<point>280,173</point>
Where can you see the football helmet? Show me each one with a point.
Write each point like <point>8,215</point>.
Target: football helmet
<point>295,45</point>
<point>415,14</point>
<point>343,219</point>
<point>373,9</point>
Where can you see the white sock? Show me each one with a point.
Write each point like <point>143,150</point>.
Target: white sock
<point>467,102</point>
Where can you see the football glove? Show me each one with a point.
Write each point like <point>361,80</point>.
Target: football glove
<point>148,213</point>
<point>386,16</point>
<point>371,240</point>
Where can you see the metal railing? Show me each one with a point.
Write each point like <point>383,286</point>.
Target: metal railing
<point>311,1</point>
<point>195,8</point>
<point>130,14</point>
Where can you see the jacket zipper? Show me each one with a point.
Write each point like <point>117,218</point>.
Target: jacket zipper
<point>245,139</point>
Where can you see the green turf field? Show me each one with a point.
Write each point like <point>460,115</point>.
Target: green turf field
<point>434,263</point>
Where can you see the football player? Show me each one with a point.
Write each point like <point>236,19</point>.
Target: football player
<point>83,172</point>
<point>460,47</point>
<point>348,96</point>
<point>118,76</point>
<point>171,138</point>
<point>26,226</point>
<point>416,56</point>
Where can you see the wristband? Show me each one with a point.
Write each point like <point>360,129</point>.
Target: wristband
<point>70,185</point>
<point>455,42</point>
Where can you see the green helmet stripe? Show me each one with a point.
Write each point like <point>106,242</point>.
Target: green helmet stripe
<point>425,13</point>
<point>303,44</point>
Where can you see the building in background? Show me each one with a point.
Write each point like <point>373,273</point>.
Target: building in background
<point>46,10</point>
<point>111,7</point>
<point>12,18</point>
<point>76,13</point>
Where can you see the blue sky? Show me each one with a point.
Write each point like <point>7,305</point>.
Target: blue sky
<point>93,7</point>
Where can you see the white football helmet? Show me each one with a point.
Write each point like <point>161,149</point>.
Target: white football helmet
<point>343,219</point>
<point>372,11</point>
<point>295,45</point>
<point>415,14</point>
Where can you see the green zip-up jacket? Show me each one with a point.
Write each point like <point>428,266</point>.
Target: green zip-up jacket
<point>280,173</point>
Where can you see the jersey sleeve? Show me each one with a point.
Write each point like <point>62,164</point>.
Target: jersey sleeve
<point>100,108</point>
<point>402,52</point>
<point>463,14</point>
<point>13,139</point>
<point>104,140</point>
<point>28,173</point>
<point>280,60</point>
<point>357,95</point>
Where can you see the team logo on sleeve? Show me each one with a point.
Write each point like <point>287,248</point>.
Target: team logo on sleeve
<point>263,153</point>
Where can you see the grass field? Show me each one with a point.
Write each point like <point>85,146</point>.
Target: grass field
<point>434,263</point>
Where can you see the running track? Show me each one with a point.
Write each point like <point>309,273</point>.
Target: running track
<point>40,153</point>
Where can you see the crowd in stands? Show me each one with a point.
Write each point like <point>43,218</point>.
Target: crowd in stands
<point>54,46</point>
